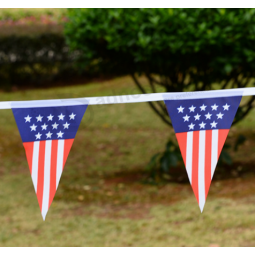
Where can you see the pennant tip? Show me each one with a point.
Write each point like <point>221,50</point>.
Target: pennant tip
<point>44,215</point>
<point>201,206</point>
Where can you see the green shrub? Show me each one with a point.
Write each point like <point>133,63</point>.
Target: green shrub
<point>176,49</point>
<point>35,55</point>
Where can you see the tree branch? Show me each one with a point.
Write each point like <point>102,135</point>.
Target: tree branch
<point>249,107</point>
<point>155,81</point>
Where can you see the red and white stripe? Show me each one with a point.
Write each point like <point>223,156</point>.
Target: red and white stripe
<point>200,152</point>
<point>46,160</point>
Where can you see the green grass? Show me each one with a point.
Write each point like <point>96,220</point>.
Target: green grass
<point>102,200</point>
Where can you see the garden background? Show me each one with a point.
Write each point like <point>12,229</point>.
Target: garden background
<point>108,194</point>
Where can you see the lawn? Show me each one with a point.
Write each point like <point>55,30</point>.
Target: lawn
<point>103,199</point>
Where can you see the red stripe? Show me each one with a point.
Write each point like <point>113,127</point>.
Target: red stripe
<point>40,182</point>
<point>53,170</point>
<point>208,159</point>
<point>67,148</point>
<point>222,136</point>
<point>182,141</point>
<point>29,148</point>
<point>195,163</point>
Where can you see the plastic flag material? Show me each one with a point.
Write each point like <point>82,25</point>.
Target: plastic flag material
<point>47,134</point>
<point>201,127</point>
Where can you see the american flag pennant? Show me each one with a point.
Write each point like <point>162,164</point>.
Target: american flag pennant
<point>201,127</point>
<point>47,134</point>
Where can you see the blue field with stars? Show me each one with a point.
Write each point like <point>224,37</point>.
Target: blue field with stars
<point>202,114</point>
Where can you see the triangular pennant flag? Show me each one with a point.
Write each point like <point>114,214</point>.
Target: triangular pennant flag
<point>201,126</point>
<point>47,134</point>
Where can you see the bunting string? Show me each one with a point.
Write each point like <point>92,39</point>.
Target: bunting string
<point>201,121</point>
<point>135,98</point>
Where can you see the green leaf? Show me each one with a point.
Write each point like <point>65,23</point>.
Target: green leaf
<point>228,68</point>
<point>225,157</point>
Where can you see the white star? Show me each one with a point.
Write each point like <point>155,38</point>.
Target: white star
<point>226,106</point>
<point>54,126</point>
<point>50,117</point>
<point>38,136</point>
<point>61,117</point>
<point>191,126</point>
<point>72,116</point>
<point>28,118</point>
<point>66,125</point>
<point>208,115</point>
<point>202,107</point>
<point>202,125</point>
<point>49,134</point>
<point>220,115</point>
<point>33,128</point>
<point>180,109</point>
<point>197,117</point>
<point>44,126</point>
<point>214,107</point>
<point>39,118</point>
<point>186,118</point>
<point>213,125</point>
<point>60,134</point>
<point>192,108</point>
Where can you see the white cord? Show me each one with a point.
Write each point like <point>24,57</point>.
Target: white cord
<point>123,99</point>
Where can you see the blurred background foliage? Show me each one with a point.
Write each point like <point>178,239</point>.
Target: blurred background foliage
<point>31,15</point>
<point>176,50</point>
<point>33,51</point>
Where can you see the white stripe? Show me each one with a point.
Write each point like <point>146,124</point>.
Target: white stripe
<point>60,157</point>
<point>189,155</point>
<point>214,159</point>
<point>46,182</point>
<point>35,158</point>
<point>201,170</point>
<point>138,98</point>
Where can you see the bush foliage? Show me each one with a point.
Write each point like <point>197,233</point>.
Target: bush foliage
<point>35,55</point>
<point>177,49</point>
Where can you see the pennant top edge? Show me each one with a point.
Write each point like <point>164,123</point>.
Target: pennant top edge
<point>202,94</point>
<point>49,103</point>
